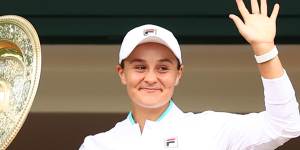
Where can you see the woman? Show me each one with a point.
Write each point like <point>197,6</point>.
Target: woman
<point>150,66</point>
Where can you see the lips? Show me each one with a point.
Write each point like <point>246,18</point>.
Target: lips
<point>150,90</point>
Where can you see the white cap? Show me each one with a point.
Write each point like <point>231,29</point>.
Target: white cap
<point>145,34</point>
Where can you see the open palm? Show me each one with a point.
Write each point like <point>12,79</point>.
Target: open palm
<point>257,27</point>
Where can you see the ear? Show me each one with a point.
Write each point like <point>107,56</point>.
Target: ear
<point>179,75</point>
<point>121,73</point>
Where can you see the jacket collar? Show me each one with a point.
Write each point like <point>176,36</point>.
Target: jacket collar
<point>172,112</point>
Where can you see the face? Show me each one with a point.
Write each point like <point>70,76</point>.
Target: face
<point>150,74</point>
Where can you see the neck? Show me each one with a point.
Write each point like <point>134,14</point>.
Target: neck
<point>141,114</point>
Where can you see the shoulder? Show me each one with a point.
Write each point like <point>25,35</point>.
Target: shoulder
<point>207,115</point>
<point>101,140</point>
<point>212,117</point>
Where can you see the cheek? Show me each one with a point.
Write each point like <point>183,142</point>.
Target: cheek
<point>168,87</point>
<point>133,78</point>
<point>169,81</point>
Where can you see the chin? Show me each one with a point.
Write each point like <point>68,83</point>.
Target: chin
<point>148,103</point>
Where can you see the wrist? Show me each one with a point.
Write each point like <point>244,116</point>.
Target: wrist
<point>267,56</point>
<point>262,48</point>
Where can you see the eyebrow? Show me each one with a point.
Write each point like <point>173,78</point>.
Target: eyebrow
<point>142,61</point>
<point>166,60</point>
<point>136,60</point>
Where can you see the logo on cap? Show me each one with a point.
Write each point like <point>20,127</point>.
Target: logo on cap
<point>148,32</point>
<point>171,142</point>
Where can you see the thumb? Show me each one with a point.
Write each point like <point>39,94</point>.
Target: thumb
<point>237,21</point>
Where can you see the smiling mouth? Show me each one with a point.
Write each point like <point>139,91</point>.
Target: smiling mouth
<point>150,90</point>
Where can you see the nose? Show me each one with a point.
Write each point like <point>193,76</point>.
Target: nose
<point>150,77</point>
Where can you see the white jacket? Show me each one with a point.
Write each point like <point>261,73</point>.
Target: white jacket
<point>210,130</point>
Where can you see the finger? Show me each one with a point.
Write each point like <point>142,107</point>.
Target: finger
<point>263,7</point>
<point>242,8</point>
<point>275,12</point>
<point>237,21</point>
<point>254,7</point>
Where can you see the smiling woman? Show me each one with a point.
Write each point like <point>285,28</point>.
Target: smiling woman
<point>150,74</point>
<point>148,61</point>
<point>151,67</point>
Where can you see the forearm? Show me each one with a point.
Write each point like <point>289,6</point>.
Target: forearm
<point>270,69</point>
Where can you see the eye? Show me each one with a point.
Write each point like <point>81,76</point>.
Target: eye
<point>163,69</point>
<point>140,68</point>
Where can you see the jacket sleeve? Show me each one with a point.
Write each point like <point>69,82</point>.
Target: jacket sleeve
<point>272,127</point>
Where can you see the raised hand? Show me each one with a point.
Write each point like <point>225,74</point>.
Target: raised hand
<point>258,29</point>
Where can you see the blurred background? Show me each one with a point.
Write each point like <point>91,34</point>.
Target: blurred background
<point>79,92</point>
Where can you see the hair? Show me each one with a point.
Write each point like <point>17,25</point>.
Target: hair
<point>122,64</point>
